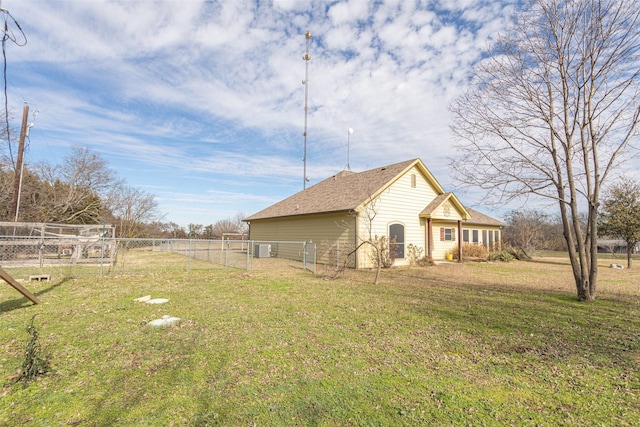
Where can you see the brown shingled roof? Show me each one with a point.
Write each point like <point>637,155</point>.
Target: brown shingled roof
<point>482,219</point>
<point>342,192</point>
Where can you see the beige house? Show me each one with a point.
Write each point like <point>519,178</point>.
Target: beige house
<point>402,201</point>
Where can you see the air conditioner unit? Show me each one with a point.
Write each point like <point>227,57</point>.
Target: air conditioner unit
<point>262,251</point>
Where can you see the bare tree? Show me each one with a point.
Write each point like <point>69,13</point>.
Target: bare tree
<point>132,209</point>
<point>233,225</point>
<point>620,215</point>
<point>166,229</point>
<point>224,226</point>
<point>527,229</point>
<point>242,227</point>
<point>196,231</point>
<point>6,190</point>
<point>76,190</point>
<point>383,255</point>
<point>552,110</point>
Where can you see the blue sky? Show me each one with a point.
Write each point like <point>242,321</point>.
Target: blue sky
<point>201,103</point>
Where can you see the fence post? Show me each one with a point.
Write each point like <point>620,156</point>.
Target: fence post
<point>226,254</point>
<point>304,254</point>
<point>102,247</point>
<point>189,256</point>
<point>248,252</point>
<point>41,255</point>
<point>315,257</point>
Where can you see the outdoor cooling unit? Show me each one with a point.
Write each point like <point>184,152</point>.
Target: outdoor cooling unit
<point>262,251</point>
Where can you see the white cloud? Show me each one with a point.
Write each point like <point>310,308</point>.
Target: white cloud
<point>211,92</point>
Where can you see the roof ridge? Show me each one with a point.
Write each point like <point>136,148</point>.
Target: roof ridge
<point>343,191</point>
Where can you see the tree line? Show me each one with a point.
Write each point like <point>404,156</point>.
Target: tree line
<point>82,189</point>
<point>618,219</point>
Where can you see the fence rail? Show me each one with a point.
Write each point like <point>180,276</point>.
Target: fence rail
<point>87,256</point>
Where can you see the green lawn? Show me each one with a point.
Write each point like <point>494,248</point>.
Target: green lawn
<point>473,344</point>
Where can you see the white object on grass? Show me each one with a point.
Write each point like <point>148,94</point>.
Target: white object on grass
<point>157,301</point>
<point>166,320</point>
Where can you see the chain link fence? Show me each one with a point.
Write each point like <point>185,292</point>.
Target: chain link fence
<point>76,256</point>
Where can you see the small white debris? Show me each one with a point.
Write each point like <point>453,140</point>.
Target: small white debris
<point>618,266</point>
<point>157,301</point>
<point>143,299</point>
<point>165,321</point>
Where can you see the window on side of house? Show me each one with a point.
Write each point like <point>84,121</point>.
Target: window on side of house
<point>447,234</point>
<point>490,239</point>
<point>484,238</point>
<point>475,236</point>
<point>465,236</point>
<point>396,232</point>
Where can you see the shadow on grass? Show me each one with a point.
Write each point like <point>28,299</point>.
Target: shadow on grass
<point>24,302</point>
<point>15,304</point>
<point>543,324</point>
<point>128,399</point>
<point>551,261</point>
<point>53,286</point>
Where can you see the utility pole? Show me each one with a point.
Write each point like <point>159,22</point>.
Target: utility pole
<point>18,172</point>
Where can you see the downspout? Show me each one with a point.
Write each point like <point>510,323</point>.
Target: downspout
<point>429,239</point>
<point>460,240</point>
<point>355,238</point>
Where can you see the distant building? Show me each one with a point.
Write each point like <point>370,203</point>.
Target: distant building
<point>607,245</point>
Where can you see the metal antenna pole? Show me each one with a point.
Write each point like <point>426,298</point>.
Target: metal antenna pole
<point>306,58</point>
<point>349,132</point>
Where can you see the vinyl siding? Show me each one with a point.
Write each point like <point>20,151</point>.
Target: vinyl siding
<point>399,203</point>
<point>447,211</point>
<point>333,234</point>
<point>440,247</point>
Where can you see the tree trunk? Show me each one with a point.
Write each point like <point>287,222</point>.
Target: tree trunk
<point>585,292</point>
<point>629,252</point>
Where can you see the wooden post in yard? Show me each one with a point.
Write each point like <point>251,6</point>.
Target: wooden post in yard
<point>10,280</point>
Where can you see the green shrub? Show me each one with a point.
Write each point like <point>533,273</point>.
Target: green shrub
<point>503,255</point>
<point>509,254</point>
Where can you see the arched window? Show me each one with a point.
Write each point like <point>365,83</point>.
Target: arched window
<point>396,232</point>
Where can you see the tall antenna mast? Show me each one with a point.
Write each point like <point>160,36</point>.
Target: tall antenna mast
<point>305,82</point>
<point>349,133</point>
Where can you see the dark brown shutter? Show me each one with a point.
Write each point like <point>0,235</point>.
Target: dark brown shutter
<point>441,234</point>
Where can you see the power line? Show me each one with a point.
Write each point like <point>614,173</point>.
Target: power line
<point>9,34</point>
